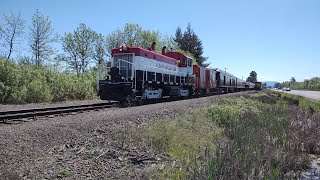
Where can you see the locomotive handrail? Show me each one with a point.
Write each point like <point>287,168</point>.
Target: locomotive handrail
<point>135,74</point>
<point>102,72</point>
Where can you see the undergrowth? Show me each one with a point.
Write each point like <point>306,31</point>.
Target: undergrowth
<point>259,136</point>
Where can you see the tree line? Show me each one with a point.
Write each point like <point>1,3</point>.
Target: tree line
<point>84,46</point>
<point>38,76</point>
<point>308,84</point>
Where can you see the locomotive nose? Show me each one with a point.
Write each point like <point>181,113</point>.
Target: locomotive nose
<point>115,91</point>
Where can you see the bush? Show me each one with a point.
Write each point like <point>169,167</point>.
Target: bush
<point>26,83</point>
<point>228,111</point>
<point>38,91</point>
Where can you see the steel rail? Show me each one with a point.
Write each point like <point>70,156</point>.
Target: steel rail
<point>25,113</point>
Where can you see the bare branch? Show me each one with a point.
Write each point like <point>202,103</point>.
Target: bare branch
<point>12,29</point>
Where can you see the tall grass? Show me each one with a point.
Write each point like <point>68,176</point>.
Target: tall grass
<point>301,101</point>
<point>251,137</point>
<point>187,141</point>
<point>264,140</point>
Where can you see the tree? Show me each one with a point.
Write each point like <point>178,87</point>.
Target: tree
<point>80,47</point>
<point>252,77</point>
<point>11,30</point>
<point>134,35</point>
<point>293,80</point>
<point>41,37</point>
<point>277,85</point>
<point>190,42</point>
<point>178,35</point>
<point>99,53</point>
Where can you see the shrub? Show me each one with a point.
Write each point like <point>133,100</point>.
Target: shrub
<point>38,91</point>
<point>26,83</point>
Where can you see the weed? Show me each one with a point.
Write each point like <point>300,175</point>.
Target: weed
<point>65,173</point>
<point>258,136</point>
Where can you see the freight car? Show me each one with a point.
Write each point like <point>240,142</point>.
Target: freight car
<point>137,74</point>
<point>258,86</point>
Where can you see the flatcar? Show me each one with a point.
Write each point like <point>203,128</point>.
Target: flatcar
<point>138,74</point>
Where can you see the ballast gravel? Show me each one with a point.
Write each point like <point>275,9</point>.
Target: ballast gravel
<point>88,145</point>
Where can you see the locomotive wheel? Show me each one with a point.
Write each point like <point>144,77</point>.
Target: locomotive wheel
<point>139,101</point>
<point>127,102</point>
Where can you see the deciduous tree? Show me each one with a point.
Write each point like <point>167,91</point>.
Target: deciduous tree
<point>135,35</point>
<point>41,37</point>
<point>80,48</point>
<point>11,30</point>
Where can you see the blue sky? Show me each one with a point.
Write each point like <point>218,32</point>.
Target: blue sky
<point>278,39</point>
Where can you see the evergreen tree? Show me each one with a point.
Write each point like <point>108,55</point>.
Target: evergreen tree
<point>252,77</point>
<point>178,35</point>
<point>190,42</point>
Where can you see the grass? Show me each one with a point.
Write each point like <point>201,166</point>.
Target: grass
<point>187,140</point>
<point>259,136</point>
<point>300,101</point>
<point>64,173</point>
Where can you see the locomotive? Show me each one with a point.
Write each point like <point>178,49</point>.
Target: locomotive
<point>137,74</point>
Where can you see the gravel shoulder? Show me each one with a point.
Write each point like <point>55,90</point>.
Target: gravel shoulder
<point>87,145</point>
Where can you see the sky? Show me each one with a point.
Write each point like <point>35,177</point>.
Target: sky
<point>278,39</point>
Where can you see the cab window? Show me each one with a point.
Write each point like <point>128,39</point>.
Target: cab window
<point>183,62</point>
<point>190,62</point>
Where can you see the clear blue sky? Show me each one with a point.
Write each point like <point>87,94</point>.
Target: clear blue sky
<point>276,38</point>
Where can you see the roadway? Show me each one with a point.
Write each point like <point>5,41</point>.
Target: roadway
<point>308,94</point>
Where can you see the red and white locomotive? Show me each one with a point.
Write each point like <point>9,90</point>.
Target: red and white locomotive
<point>137,74</point>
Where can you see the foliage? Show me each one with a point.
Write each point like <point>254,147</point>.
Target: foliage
<point>41,37</point>
<point>190,42</point>
<point>261,138</point>
<point>301,101</point>
<point>81,47</point>
<point>27,83</point>
<point>308,84</point>
<point>135,35</point>
<point>252,77</point>
<point>251,137</point>
<point>293,79</point>
<point>11,31</point>
<point>100,54</point>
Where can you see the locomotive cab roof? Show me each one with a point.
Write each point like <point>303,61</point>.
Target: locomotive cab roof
<point>139,51</point>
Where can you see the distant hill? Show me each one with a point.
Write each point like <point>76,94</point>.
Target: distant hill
<point>270,83</point>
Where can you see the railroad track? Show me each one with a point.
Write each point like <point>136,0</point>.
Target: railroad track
<point>18,115</point>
